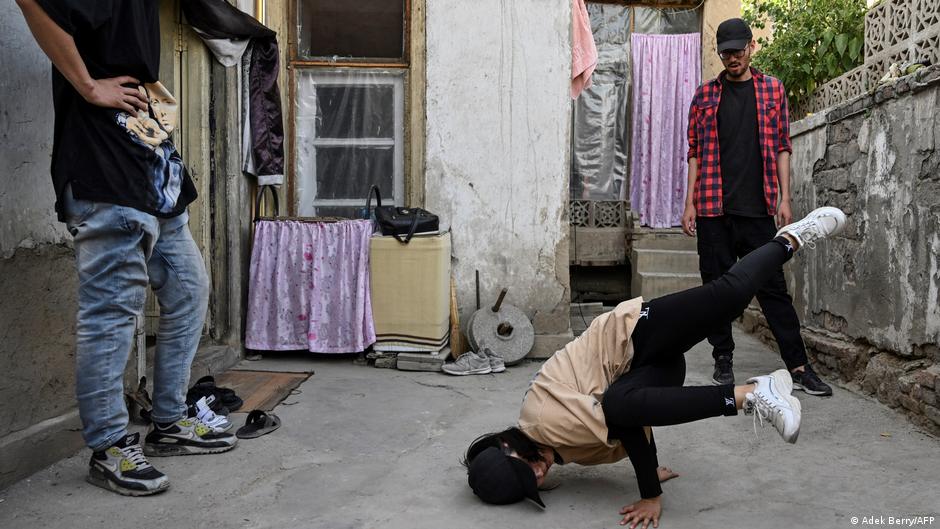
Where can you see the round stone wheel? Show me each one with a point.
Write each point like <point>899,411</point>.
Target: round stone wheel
<point>508,333</point>
<point>470,340</point>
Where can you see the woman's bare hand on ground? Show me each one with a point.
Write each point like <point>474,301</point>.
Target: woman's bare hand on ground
<point>110,93</point>
<point>666,473</point>
<point>642,513</point>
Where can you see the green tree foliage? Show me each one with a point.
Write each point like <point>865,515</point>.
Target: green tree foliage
<point>812,42</point>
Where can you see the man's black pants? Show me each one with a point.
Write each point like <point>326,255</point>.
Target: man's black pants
<point>721,242</point>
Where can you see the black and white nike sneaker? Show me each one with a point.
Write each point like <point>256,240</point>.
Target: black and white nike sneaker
<point>124,469</point>
<point>188,436</point>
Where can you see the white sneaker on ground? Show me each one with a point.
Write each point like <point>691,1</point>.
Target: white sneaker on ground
<point>469,363</point>
<point>771,401</point>
<point>204,413</point>
<point>497,365</point>
<point>820,223</point>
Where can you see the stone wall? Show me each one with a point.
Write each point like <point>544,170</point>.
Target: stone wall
<point>869,298</point>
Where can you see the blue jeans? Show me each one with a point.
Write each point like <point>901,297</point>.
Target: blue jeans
<point>118,251</point>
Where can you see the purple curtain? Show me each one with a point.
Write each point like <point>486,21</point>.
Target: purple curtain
<point>308,287</point>
<point>666,71</point>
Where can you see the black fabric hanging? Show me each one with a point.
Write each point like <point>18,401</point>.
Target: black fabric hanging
<point>217,19</point>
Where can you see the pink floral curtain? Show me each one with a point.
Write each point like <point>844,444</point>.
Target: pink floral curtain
<point>309,287</point>
<point>666,71</point>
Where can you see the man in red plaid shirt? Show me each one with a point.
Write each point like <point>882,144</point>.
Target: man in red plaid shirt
<point>739,181</point>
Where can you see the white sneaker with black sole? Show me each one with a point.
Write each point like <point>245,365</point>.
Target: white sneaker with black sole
<point>469,363</point>
<point>124,469</point>
<point>771,401</point>
<point>188,436</point>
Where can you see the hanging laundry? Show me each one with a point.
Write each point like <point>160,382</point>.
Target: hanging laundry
<point>309,287</point>
<point>583,48</point>
<point>666,71</point>
<point>228,33</point>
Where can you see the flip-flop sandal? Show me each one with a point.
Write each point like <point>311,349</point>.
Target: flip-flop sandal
<point>257,424</point>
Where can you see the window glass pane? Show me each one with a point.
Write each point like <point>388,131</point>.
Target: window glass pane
<point>359,29</point>
<point>348,212</point>
<point>350,111</point>
<point>349,135</point>
<point>349,172</point>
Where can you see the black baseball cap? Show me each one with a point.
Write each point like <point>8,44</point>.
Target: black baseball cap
<point>500,479</point>
<point>733,34</point>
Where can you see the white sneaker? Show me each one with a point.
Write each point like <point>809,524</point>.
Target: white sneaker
<point>204,413</point>
<point>771,401</point>
<point>469,363</point>
<point>497,365</point>
<point>819,224</point>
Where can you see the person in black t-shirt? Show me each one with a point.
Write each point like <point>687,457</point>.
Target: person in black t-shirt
<point>739,182</point>
<point>122,190</point>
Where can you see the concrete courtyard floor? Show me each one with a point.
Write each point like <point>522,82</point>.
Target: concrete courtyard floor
<point>375,448</point>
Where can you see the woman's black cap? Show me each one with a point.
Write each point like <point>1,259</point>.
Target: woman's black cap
<point>499,479</point>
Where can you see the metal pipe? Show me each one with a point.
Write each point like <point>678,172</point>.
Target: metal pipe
<point>478,289</point>
<point>259,10</point>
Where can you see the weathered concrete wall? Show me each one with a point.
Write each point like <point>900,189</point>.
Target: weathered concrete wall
<point>26,198</point>
<point>38,285</point>
<point>498,120</point>
<point>869,298</point>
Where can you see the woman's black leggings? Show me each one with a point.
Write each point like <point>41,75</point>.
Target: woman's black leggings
<point>651,392</point>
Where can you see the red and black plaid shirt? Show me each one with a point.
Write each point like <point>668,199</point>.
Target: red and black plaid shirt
<point>773,131</point>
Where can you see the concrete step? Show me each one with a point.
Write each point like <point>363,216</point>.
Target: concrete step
<point>582,314</point>
<point>670,240</point>
<point>655,284</point>
<point>663,261</point>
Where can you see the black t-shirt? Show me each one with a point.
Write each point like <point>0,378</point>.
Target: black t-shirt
<point>109,155</point>
<point>742,173</point>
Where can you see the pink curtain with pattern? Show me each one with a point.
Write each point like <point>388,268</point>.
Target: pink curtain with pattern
<point>666,71</point>
<point>309,287</point>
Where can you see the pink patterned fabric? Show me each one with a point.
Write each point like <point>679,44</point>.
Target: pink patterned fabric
<point>309,287</point>
<point>666,71</point>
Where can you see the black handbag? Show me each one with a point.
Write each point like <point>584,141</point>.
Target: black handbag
<point>401,223</point>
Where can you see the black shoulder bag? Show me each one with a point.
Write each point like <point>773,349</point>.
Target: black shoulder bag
<point>401,223</point>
